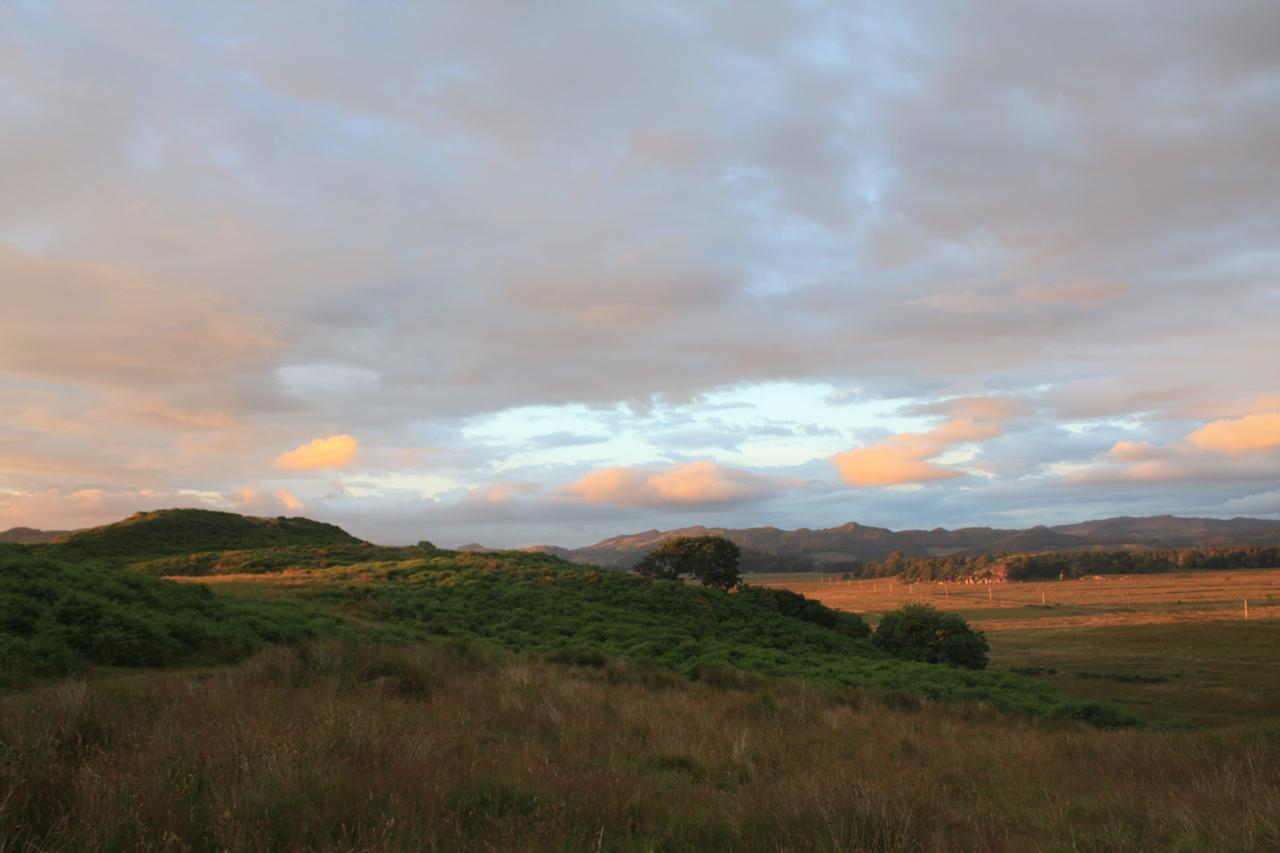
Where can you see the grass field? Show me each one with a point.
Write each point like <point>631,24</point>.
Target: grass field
<point>1106,600</point>
<point>342,745</point>
<point>435,700</point>
<point>544,606</point>
<point>1171,648</point>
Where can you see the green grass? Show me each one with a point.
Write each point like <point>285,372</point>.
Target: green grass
<point>536,603</point>
<point>1214,674</point>
<point>449,746</point>
<point>59,616</point>
<point>81,613</point>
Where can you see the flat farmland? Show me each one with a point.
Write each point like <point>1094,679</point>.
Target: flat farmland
<point>1173,648</point>
<point>1087,602</point>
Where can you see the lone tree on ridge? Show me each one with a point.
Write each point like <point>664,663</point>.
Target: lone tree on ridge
<point>711,559</point>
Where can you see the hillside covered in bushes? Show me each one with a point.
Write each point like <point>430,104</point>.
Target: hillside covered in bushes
<point>187,531</point>
<point>72,611</point>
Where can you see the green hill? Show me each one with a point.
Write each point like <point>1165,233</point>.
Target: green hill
<point>274,559</point>
<point>88,600</point>
<point>538,603</point>
<point>186,531</point>
<point>60,615</point>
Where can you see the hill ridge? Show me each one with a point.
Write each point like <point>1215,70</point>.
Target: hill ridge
<point>852,541</point>
<point>176,531</point>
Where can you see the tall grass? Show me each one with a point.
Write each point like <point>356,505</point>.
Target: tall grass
<point>337,745</point>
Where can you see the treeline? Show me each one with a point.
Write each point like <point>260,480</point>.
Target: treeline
<point>1068,564</point>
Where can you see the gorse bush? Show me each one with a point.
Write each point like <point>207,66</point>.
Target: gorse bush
<point>797,606</point>
<point>920,632</point>
<point>61,616</point>
<point>540,604</point>
<point>56,617</point>
<point>273,559</point>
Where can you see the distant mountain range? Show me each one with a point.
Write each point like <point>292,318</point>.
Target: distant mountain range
<point>30,536</point>
<point>766,548</point>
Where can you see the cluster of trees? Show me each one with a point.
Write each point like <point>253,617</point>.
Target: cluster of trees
<point>710,559</point>
<point>1069,564</point>
<point>915,632</point>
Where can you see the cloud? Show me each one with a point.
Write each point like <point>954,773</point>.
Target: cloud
<point>336,451</point>
<point>899,460</point>
<point>960,302</point>
<point>1262,503</point>
<point>1230,449</point>
<point>1258,432</point>
<point>500,493</point>
<point>252,500</point>
<point>1081,293</point>
<point>109,326</point>
<point>689,484</point>
<point>1134,451</point>
<point>231,228</point>
<point>969,408</point>
<point>70,509</point>
<point>906,457</point>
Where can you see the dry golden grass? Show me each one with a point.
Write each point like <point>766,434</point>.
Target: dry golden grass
<point>1108,600</point>
<point>1171,648</point>
<point>341,747</point>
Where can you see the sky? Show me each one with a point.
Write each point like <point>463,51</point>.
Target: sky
<point>553,271</point>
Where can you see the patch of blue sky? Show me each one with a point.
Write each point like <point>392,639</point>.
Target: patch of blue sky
<point>775,424</point>
<point>382,485</point>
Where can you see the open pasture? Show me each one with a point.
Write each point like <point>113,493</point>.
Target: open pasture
<point>1170,648</point>
<point>1088,602</point>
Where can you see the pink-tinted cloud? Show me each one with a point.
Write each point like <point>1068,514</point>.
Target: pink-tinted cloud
<point>1134,451</point>
<point>1081,293</point>
<point>252,500</point>
<point>907,457</point>
<point>332,452</point>
<point>1253,433</point>
<point>500,493</point>
<point>690,484</point>
<point>1230,448</point>
<point>77,508</point>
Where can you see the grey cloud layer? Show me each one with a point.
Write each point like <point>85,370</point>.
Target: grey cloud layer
<point>435,211</point>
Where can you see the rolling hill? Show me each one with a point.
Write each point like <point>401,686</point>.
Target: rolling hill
<point>790,550</point>
<point>185,531</point>
<point>31,536</point>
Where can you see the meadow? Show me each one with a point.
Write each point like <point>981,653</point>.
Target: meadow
<point>343,745</point>
<point>305,692</point>
<point>1174,649</point>
<point>534,603</point>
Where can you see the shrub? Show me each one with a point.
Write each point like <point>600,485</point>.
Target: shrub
<point>919,632</point>
<point>58,616</point>
<point>797,606</point>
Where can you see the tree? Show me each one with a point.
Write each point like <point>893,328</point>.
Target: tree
<point>711,559</point>
<point>919,632</point>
